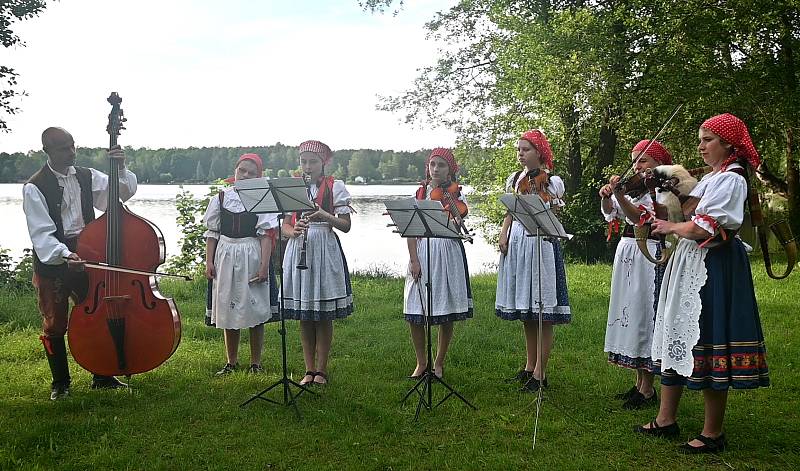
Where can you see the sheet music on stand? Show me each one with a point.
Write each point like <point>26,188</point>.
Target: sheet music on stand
<point>532,212</point>
<point>273,195</point>
<point>422,218</point>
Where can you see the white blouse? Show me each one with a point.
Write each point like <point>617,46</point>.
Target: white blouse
<point>341,197</point>
<point>42,228</point>
<point>722,198</point>
<point>233,203</point>
<point>555,187</point>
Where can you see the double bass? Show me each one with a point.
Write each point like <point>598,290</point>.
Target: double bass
<point>124,326</point>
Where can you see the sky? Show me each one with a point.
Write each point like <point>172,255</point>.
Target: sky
<point>211,73</point>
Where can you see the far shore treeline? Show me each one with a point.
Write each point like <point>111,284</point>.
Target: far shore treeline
<point>208,164</point>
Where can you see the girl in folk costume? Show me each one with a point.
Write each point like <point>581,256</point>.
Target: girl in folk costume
<point>517,295</point>
<point>321,293</point>
<point>635,281</point>
<point>238,249</point>
<point>708,333</point>
<point>450,288</point>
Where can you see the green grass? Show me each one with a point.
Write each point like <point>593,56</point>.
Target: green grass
<point>180,417</point>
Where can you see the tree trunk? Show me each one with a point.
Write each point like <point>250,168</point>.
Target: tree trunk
<point>607,145</point>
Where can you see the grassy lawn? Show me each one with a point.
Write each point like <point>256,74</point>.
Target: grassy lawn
<point>181,417</point>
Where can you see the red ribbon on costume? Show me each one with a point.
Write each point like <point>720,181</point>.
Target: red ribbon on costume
<point>613,228</point>
<point>644,216</point>
<point>48,345</point>
<point>714,226</point>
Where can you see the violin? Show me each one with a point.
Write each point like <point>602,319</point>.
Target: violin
<point>124,325</point>
<point>636,185</point>
<point>535,181</point>
<point>448,193</point>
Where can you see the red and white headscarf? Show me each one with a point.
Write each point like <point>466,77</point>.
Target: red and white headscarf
<point>734,132</point>
<point>447,155</point>
<point>251,157</point>
<point>540,142</point>
<point>656,151</point>
<point>322,150</point>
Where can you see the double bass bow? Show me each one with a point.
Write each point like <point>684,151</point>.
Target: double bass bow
<point>124,326</point>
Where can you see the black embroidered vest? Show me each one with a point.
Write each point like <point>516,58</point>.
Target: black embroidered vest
<point>53,194</point>
<point>236,225</point>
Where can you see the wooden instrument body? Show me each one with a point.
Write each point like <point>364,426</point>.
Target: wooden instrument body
<point>152,326</point>
<point>124,325</point>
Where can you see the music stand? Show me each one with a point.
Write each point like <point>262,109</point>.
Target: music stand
<point>428,219</point>
<point>279,195</point>
<point>538,220</point>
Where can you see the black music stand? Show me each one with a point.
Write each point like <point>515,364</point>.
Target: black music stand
<point>428,219</point>
<point>538,220</point>
<point>279,195</point>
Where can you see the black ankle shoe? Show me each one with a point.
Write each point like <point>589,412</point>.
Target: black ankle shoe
<point>638,401</point>
<point>672,430</point>
<point>627,394</point>
<point>59,391</point>
<point>710,445</point>
<point>521,376</point>
<point>107,382</point>
<point>531,385</point>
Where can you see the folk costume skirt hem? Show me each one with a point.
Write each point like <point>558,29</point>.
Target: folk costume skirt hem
<point>517,295</point>
<point>451,291</point>
<point>323,291</point>
<point>730,352</point>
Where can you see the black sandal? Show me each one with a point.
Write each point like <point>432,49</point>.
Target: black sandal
<point>710,445</point>
<point>672,430</point>
<point>311,381</point>
<point>321,375</point>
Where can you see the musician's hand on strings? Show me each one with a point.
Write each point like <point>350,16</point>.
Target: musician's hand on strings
<point>415,269</point>
<point>75,263</point>
<point>117,154</point>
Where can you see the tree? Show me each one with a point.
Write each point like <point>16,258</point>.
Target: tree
<point>199,173</point>
<point>360,165</point>
<point>599,76</point>
<point>12,11</point>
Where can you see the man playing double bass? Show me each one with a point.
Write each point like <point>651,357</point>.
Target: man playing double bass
<point>58,201</point>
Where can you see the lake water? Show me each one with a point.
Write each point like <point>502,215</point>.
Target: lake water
<point>368,245</point>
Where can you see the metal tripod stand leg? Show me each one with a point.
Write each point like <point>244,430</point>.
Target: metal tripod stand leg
<point>428,377</point>
<point>289,398</point>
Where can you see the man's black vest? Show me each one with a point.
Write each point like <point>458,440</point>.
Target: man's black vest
<point>53,194</point>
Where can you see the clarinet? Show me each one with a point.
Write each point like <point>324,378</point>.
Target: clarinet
<point>301,262</point>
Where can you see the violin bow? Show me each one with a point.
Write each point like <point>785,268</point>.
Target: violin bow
<point>107,267</point>
<point>652,140</point>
